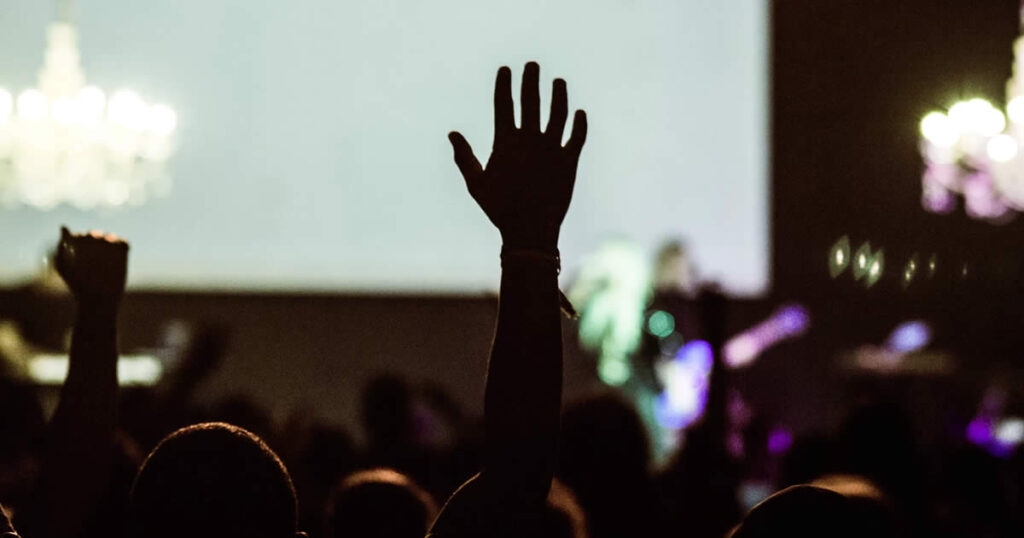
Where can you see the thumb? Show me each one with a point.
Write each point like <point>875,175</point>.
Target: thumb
<point>464,159</point>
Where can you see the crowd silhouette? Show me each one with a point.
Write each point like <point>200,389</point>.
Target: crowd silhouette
<point>532,468</point>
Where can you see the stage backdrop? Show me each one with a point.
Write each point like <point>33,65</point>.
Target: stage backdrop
<point>313,151</point>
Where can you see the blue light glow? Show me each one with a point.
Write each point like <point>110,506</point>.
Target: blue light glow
<point>686,385</point>
<point>910,336</point>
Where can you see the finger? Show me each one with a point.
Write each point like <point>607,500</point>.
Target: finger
<point>465,160</point>
<point>65,252</point>
<point>530,98</point>
<point>504,117</point>
<point>115,239</point>
<point>559,110</point>
<point>579,133</point>
<point>63,246</point>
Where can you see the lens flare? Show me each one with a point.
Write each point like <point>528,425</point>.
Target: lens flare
<point>839,257</point>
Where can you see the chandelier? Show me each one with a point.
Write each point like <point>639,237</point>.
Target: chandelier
<point>973,150</point>
<point>68,142</point>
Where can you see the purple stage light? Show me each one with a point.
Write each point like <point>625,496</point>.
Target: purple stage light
<point>685,378</point>
<point>786,322</point>
<point>793,319</point>
<point>999,438</point>
<point>979,431</point>
<point>779,441</point>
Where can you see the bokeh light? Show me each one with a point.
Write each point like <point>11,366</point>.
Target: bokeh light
<point>127,110</point>
<point>685,378</point>
<point>1015,109</point>
<point>910,271</point>
<point>939,129</point>
<point>90,101</point>
<point>976,116</point>
<point>876,269</point>
<point>909,336</point>
<point>161,120</point>
<point>64,111</point>
<point>661,323</point>
<point>839,257</point>
<point>862,258</point>
<point>32,105</point>
<point>1001,148</point>
<point>6,105</point>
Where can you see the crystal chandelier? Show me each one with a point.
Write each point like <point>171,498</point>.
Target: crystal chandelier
<point>972,150</point>
<point>66,142</point>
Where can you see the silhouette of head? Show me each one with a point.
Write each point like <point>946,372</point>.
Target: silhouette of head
<point>797,512</point>
<point>379,503</point>
<point>387,411</point>
<point>212,480</point>
<point>604,457</point>
<point>602,435</point>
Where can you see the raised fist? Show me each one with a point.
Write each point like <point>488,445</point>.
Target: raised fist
<point>94,266</point>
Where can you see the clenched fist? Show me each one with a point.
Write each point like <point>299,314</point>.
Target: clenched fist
<point>94,266</point>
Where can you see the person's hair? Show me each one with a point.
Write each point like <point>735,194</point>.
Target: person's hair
<point>379,502</point>
<point>212,480</point>
<point>799,511</point>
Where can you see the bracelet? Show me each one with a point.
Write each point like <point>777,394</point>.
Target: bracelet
<point>545,257</point>
<point>533,254</point>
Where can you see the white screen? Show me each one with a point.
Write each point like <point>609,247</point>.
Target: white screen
<point>312,134</point>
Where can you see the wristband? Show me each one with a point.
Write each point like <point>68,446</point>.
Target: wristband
<point>542,256</point>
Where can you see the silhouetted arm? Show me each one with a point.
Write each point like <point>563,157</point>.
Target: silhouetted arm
<point>524,383</point>
<point>78,455</point>
<point>525,191</point>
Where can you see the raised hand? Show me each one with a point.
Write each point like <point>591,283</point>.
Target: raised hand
<point>525,191</point>
<point>77,460</point>
<point>94,266</point>
<point>527,185</point>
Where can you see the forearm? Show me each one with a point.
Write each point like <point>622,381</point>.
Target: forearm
<point>78,449</point>
<point>88,399</point>
<point>524,380</point>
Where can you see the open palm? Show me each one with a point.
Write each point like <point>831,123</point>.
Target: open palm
<point>527,185</point>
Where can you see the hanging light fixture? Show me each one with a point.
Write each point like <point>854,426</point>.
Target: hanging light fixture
<point>975,150</point>
<point>68,142</point>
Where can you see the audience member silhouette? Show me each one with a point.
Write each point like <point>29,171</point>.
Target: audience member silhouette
<point>605,458</point>
<point>77,459</point>
<point>799,512</point>
<point>379,503</point>
<point>389,421</point>
<point>213,480</point>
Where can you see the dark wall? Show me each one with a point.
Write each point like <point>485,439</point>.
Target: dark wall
<point>851,81</point>
<point>313,353</point>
